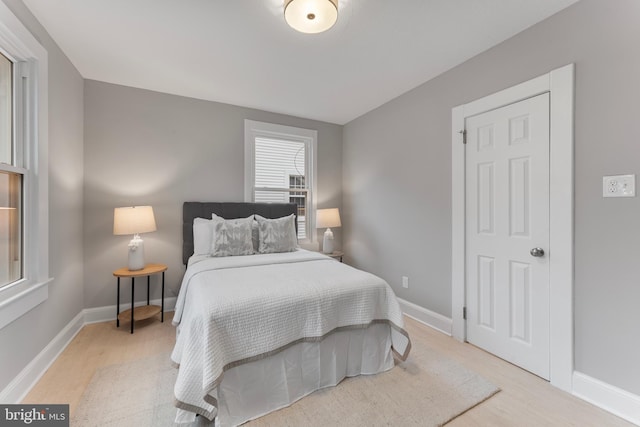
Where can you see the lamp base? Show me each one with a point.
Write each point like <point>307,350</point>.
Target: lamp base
<point>327,242</point>
<point>136,253</point>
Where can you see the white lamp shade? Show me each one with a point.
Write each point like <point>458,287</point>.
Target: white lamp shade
<point>133,220</point>
<point>328,218</point>
<point>311,16</point>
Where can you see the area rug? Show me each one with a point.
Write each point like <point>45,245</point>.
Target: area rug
<point>138,393</point>
<point>426,390</point>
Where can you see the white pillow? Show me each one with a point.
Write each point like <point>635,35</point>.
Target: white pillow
<point>232,237</point>
<point>277,235</point>
<point>202,229</point>
<point>203,233</point>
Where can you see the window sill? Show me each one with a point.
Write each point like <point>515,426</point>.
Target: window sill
<point>16,305</point>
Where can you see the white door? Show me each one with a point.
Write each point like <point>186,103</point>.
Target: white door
<point>507,233</point>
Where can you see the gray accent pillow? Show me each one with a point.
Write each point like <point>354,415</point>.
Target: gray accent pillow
<point>232,237</point>
<point>277,235</point>
<point>255,236</point>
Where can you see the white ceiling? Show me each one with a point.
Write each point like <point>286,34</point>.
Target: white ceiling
<point>242,52</point>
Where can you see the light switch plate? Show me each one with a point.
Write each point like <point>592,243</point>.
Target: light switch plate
<point>405,282</point>
<point>619,186</point>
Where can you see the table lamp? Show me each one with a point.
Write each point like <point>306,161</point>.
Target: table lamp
<point>328,218</point>
<point>134,220</point>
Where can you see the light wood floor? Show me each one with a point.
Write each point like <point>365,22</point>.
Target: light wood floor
<point>525,400</point>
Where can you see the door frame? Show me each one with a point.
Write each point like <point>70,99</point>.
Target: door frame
<point>559,83</point>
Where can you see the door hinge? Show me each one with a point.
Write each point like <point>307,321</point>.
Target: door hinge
<point>464,313</point>
<point>464,136</point>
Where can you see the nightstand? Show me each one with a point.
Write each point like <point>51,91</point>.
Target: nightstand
<point>145,311</point>
<point>337,255</point>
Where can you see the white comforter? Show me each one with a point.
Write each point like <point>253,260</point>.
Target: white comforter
<point>234,310</point>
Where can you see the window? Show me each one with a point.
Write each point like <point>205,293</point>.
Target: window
<point>297,197</point>
<point>6,110</point>
<point>10,183</point>
<point>10,227</point>
<point>280,167</point>
<point>24,203</point>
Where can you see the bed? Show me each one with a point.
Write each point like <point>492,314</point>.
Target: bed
<point>256,333</point>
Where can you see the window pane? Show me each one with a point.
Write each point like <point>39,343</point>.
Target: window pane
<point>10,227</point>
<point>6,109</point>
<point>276,160</point>
<point>302,214</point>
<point>298,197</point>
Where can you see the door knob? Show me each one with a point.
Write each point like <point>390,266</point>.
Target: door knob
<point>537,252</point>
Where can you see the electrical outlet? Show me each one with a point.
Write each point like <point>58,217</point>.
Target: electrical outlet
<point>619,186</point>
<point>405,282</point>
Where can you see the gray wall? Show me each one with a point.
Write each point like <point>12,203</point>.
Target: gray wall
<point>23,339</point>
<point>144,147</point>
<point>397,168</point>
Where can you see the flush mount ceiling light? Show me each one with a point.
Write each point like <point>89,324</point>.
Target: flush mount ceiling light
<point>311,16</point>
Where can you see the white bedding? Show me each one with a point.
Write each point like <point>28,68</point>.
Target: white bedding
<point>234,310</point>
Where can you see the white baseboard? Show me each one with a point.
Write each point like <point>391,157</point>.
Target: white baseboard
<point>430,318</point>
<point>29,376</point>
<point>610,398</point>
<point>619,402</point>
<point>105,314</point>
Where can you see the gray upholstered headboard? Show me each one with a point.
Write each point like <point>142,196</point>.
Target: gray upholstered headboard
<point>227,210</point>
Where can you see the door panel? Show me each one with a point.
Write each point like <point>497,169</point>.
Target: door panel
<point>486,292</point>
<point>507,214</point>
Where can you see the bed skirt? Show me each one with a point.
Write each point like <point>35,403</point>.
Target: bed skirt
<point>262,386</point>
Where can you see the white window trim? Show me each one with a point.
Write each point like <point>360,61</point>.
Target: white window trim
<point>22,296</point>
<point>253,130</point>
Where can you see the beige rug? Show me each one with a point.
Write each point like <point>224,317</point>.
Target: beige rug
<point>426,390</point>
